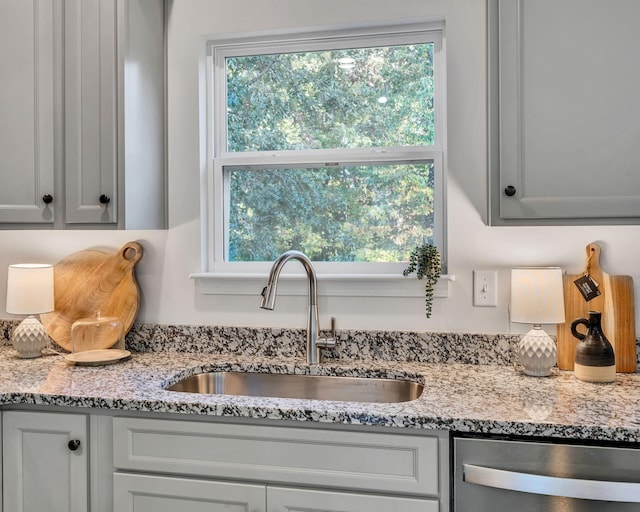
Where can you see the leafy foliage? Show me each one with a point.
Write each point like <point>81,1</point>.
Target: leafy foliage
<point>306,101</point>
<point>355,213</point>
<point>426,263</point>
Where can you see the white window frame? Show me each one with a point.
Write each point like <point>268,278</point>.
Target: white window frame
<point>335,278</point>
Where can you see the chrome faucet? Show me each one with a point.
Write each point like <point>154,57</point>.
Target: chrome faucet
<point>314,342</point>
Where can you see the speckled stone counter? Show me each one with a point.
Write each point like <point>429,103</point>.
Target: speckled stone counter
<point>459,397</point>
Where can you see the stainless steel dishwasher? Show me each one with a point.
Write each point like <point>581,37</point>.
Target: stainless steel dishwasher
<point>524,476</point>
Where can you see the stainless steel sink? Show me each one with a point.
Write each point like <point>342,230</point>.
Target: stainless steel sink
<point>313,387</point>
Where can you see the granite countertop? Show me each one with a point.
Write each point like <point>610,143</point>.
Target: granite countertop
<point>460,397</point>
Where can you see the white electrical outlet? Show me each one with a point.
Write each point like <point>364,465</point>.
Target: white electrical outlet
<point>485,288</point>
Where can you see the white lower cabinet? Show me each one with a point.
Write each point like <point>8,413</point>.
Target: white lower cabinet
<point>193,466</point>
<point>68,462</point>
<point>150,493</point>
<point>44,462</point>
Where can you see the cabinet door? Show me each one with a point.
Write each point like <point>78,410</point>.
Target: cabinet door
<point>147,493</point>
<point>40,471</point>
<point>27,101</point>
<point>564,111</point>
<point>90,111</point>
<point>282,499</point>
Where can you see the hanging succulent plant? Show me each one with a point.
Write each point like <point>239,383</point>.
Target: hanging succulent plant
<point>426,263</point>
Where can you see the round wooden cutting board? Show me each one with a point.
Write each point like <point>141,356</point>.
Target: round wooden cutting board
<point>90,281</point>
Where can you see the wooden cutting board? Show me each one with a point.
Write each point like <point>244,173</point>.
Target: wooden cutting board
<point>618,313</point>
<point>90,281</point>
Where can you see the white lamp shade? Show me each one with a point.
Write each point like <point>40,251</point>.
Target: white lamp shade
<point>536,295</point>
<point>30,289</point>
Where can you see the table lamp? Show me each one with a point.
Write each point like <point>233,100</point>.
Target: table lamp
<point>30,292</point>
<point>537,298</point>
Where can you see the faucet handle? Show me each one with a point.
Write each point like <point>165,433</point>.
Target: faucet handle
<point>331,341</point>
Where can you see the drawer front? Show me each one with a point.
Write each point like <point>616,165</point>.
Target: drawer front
<point>304,500</point>
<point>151,493</point>
<point>360,461</point>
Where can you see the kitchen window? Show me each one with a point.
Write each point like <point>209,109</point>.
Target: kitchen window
<point>331,144</point>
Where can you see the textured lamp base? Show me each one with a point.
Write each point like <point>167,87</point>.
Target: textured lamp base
<point>537,353</point>
<point>29,338</point>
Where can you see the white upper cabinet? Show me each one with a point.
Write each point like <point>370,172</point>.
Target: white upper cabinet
<point>564,111</point>
<point>84,125</point>
<point>28,90</point>
<point>91,150</point>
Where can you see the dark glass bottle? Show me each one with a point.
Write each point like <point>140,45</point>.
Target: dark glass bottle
<point>594,359</point>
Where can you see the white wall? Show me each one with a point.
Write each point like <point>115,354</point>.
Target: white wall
<point>170,256</point>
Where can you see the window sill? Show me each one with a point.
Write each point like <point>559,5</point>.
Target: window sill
<point>333,285</point>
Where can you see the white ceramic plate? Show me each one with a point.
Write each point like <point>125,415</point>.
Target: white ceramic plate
<point>98,357</point>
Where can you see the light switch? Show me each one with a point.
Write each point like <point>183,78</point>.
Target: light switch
<point>485,288</point>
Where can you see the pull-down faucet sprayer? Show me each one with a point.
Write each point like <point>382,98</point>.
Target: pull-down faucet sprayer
<point>314,342</point>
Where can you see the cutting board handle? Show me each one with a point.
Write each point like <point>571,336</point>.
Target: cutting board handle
<point>130,253</point>
<point>118,265</point>
<point>593,259</point>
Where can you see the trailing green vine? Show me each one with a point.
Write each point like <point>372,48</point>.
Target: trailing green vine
<point>426,263</point>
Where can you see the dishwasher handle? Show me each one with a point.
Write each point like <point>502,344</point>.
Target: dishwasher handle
<point>627,492</point>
